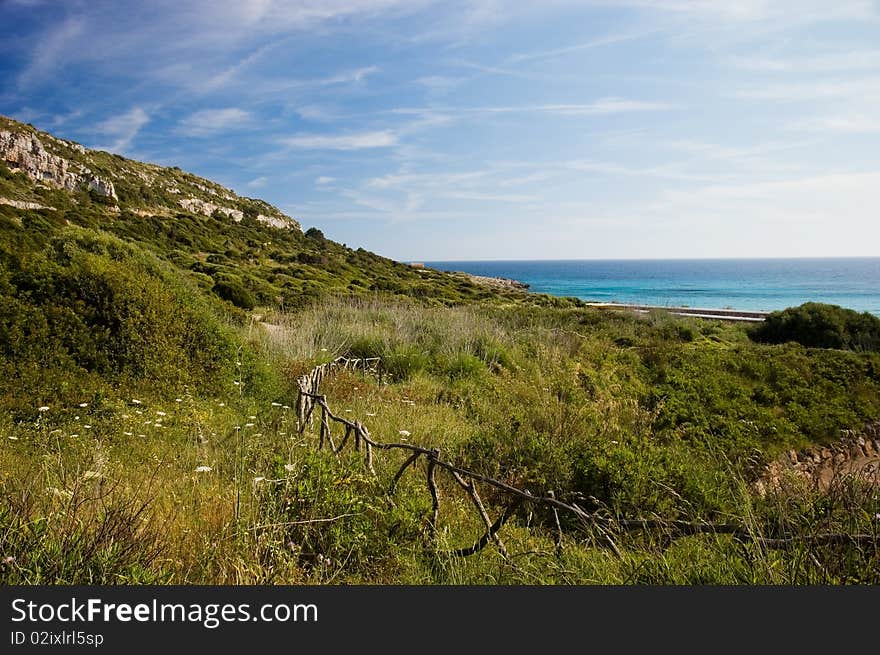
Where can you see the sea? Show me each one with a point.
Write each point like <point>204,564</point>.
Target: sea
<point>741,284</point>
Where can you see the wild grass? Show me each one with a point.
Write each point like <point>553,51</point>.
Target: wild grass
<point>650,417</point>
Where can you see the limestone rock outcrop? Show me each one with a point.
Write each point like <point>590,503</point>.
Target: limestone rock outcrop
<point>26,153</point>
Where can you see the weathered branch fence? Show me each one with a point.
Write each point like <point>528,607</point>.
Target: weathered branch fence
<point>310,399</point>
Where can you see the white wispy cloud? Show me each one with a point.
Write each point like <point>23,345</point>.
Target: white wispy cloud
<point>356,141</point>
<point>830,62</point>
<point>324,180</point>
<point>598,42</point>
<point>206,122</point>
<point>609,105</point>
<point>52,48</point>
<point>842,124</point>
<point>121,129</point>
<point>829,88</point>
<point>257,183</point>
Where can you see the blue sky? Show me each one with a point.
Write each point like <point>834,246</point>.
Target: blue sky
<point>486,129</point>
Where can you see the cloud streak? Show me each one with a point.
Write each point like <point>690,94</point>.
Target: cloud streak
<point>358,141</point>
<point>207,122</point>
<point>122,129</point>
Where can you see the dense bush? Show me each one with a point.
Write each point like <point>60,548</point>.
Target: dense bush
<point>821,326</point>
<point>91,310</point>
<point>234,292</point>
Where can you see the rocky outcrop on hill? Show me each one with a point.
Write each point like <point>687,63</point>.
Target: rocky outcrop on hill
<point>137,187</point>
<point>26,153</point>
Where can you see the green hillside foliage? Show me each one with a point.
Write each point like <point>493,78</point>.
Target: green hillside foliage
<point>148,377</point>
<point>821,326</point>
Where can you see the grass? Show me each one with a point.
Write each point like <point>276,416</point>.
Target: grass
<point>546,399</point>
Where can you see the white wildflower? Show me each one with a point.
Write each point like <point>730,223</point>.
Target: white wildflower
<point>285,407</point>
<point>161,414</point>
<point>248,425</point>
<point>135,401</point>
<point>74,435</point>
<point>289,467</point>
<point>44,408</point>
<point>13,438</point>
<point>276,404</point>
<point>128,434</point>
<point>203,469</point>
<point>87,427</point>
<point>371,413</point>
<point>404,433</point>
<point>83,404</point>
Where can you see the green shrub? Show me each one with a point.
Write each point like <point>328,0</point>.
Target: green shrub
<point>821,326</point>
<point>234,292</point>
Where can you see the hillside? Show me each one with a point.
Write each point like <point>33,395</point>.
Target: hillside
<point>244,249</point>
<point>157,366</point>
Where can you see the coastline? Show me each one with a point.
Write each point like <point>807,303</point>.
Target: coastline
<point>694,312</point>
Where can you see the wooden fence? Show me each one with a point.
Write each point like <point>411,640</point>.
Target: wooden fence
<point>356,436</point>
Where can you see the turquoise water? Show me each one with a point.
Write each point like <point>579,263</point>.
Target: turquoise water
<point>745,284</point>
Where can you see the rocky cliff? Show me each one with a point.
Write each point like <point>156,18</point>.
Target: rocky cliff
<point>144,189</point>
<point>25,152</point>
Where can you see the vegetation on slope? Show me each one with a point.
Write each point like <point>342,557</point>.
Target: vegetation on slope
<point>147,432</point>
<point>821,326</point>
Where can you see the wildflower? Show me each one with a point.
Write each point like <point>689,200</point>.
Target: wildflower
<point>87,427</point>
<point>222,404</point>
<point>138,412</point>
<point>128,434</point>
<point>83,404</point>
<point>289,467</point>
<point>73,436</point>
<point>285,407</point>
<point>13,438</point>
<point>371,413</point>
<point>142,436</point>
<point>203,469</point>
<point>9,559</point>
<point>276,404</point>
<point>404,433</point>
<point>178,400</point>
<point>323,350</point>
<point>252,417</point>
<point>44,408</point>
<point>248,425</point>
<point>161,414</point>
<point>238,363</point>
<point>60,493</point>
<point>135,401</point>
<point>348,411</point>
<point>236,382</point>
<point>76,418</point>
<point>258,434</point>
